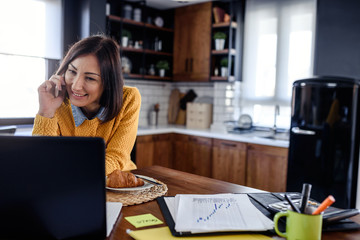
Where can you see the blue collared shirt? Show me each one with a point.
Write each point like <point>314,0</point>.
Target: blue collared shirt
<point>79,116</point>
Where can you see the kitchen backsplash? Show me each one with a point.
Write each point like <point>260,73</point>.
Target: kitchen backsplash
<point>225,98</point>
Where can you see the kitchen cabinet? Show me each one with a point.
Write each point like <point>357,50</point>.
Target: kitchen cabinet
<point>147,42</point>
<point>192,43</point>
<point>229,161</point>
<point>192,154</point>
<point>154,150</point>
<point>248,164</point>
<point>266,167</point>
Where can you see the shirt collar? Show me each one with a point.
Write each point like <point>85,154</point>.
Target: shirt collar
<point>79,116</point>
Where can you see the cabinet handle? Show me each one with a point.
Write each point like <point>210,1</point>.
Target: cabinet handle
<point>186,64</point>
<point>191,64</point>
<point>297,130</point>
<point>228,144</point>
<point>193,139</point>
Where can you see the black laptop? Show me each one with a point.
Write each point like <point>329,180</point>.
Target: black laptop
<point>52,188</point>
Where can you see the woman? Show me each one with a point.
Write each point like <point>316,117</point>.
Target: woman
<point>87,98</point>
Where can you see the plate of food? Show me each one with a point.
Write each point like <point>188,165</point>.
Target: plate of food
<point>120,181</point>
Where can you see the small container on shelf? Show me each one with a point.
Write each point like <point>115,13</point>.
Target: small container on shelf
<point>137,14</point>
<point>152,70</point>
<point>216,71</point>
<point>127,11</point>
<point>107,9</point>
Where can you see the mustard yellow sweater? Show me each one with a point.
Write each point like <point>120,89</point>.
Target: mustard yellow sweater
<point>119,134</point>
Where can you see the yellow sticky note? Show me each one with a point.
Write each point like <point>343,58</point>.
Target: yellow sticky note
<point>143,220</point>
<point>164,233</point>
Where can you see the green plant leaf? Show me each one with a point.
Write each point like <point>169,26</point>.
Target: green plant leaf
<point>219,35</point>
<point>163,64</point>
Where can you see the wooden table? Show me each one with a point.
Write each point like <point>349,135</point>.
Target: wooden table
<point>186,183</point>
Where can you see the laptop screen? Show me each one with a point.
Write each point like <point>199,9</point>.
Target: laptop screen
<point>52,188</point>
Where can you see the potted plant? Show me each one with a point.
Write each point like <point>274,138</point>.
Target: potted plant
<point>219,40</point>
<point>224,66</point>
<point>162,65</point>
<point>125,37</point>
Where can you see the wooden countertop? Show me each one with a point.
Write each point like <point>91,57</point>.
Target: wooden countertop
<point>185,183</point>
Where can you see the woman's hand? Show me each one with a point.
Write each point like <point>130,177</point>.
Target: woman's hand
<point>51,95</point>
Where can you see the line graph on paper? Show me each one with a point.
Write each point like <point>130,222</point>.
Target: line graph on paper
<point>211,211</point>
<point>217,208</point>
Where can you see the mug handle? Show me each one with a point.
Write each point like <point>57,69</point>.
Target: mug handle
<point>276,220</point>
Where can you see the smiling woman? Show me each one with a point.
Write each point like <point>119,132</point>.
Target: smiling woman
<point>30,40</point>
<point>87,98</point>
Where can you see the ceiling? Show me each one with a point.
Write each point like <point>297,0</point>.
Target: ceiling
<point>167,4</point>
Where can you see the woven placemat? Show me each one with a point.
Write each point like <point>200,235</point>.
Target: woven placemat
<point>137,197</point>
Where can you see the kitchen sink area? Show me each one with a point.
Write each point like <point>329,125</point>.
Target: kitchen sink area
<point>280,134</point>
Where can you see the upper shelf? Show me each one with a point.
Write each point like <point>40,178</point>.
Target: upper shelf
<point>136,23</point>
<point>143,76</point>
<point>224,24</point>
<point>223,52</point>
<point>147,51</point>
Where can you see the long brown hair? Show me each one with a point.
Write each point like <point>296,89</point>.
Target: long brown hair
<point>107,52</point>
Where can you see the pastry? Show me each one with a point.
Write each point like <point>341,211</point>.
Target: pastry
<point>120,179</point>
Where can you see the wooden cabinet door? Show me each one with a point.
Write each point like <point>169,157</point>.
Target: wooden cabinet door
<point>192,43</point>
<point>200,148</point>
<point>192,154</point>
<point>144,151</point>
<point>200,42</point>
<point>267,167</point>
<point>154,150</point>
<point>163,150</point>
<point>229,161</point>
<point>182,158</point>
<point>182,41</point>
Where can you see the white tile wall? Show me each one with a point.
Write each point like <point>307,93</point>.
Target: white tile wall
<point>225,98</point>
<point>151,94</point>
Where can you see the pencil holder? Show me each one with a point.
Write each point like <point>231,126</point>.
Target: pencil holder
<point>299,226</point>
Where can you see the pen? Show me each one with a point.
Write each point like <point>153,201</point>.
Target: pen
<point>325,204</point>
<point>305,196</point>
<point>148,180</point>
<point>294,207</point>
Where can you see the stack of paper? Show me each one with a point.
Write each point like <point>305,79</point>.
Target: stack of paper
<point>216,213</point>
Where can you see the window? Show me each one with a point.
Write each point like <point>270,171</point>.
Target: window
<point>278,49</point>
<point>30,39</point>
